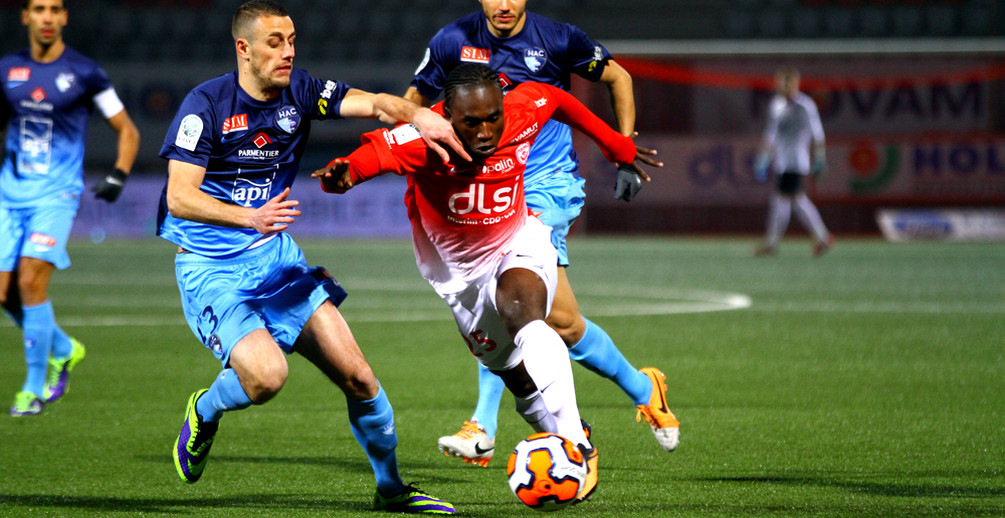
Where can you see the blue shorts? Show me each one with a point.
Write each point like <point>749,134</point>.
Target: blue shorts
<point>39,232</point>
<point>269,287</point>
<point>557,198</point>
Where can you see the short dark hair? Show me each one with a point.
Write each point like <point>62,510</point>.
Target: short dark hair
<point>788,72</point>
<point>251,11</point>
<point>468,75</point>
<point>26,3</point>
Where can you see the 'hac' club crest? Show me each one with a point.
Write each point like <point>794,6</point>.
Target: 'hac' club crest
<point>535,58</point>
<point>288,119</point>
<point>65,81</point>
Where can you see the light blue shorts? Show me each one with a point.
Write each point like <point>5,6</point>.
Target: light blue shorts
<point>269,287</point>
<point>557,198</point>
<point>39,232</point>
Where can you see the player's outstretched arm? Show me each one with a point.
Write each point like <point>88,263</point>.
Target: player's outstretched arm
<point>186,201</point>
<point>412,94</point>
<point>365,163</point>
<point>619,84</point>
<point>644,155</point>
<point>617,148</point>
<point>335,177</point>
<point>631,175</point>
<point>436,131</point>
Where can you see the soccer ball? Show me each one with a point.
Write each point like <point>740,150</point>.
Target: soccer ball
<point>546,471</point>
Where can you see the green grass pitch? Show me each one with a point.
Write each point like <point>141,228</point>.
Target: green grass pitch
<point>867,383</point>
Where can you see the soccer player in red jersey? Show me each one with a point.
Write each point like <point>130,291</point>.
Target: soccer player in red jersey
<point>476,243</point>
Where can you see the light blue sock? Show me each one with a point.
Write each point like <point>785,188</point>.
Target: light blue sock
<point>490,390</point>
<point>37,328</point>
<point>372,423</point>
<point>226,393</point>
<point>61,344</point>
<point>597,352</point>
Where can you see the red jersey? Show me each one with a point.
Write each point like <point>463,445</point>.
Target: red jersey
<point>461,222</point>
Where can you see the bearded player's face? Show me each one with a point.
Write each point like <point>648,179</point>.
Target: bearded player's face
<point>271,51</point>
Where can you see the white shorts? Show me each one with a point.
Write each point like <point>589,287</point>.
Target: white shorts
<point>474,307</point>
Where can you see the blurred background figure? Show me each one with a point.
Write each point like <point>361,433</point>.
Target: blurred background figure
<point>793,129</point>
<point>48,93</point>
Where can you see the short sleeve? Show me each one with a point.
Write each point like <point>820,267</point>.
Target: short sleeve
<point>431,74</point>
<point>190,137</point>
<point>816,127</point>
<point>586,57</point>
<point>325,97</point>
<point>97,81</point>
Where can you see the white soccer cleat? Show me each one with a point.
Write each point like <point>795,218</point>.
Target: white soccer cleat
<point>471,444</point>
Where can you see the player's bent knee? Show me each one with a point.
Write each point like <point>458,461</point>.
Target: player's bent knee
<point>266,383</point>
<point>516,316</point>
<point>360,385</point>
<point>32,286</point>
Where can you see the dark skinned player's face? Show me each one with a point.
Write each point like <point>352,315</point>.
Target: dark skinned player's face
<point>477,116</point>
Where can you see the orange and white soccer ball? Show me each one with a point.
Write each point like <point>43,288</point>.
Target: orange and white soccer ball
<point>546,471</point>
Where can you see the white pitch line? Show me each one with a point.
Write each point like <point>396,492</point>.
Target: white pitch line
<point>596,301</point>
<point>935,308</point>
<point>640,301</point>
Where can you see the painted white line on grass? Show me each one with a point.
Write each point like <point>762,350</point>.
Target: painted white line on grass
<point>656,301</point>
<point>934,308</point>
<point>597,301</point>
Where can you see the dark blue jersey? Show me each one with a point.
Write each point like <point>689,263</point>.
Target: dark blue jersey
<point>47,107</point>
<point>544,51</point>
<point>251,150</point>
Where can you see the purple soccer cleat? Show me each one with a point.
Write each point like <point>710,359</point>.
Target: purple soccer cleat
<point>191,449</point>
<point>58,380</point>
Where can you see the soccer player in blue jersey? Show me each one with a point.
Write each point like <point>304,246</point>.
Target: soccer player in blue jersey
<point>523,46</point>
<point>49,91</point>
<point>248,294</point>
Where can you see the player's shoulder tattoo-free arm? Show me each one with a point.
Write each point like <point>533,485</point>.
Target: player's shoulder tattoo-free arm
<point>567,109</point>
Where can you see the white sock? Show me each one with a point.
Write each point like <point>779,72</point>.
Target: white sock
<point>533,410</point>
<point>778,219</point>
<point>808,215</point>
<point>547,361</point>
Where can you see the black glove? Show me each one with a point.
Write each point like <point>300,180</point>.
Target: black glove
<point>111,185</point>
<point>629,184</point>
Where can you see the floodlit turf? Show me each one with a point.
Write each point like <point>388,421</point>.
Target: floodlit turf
<point>869,382</point>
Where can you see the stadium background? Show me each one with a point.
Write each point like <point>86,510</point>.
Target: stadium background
<point>910,93</point>
<point>869,383</point>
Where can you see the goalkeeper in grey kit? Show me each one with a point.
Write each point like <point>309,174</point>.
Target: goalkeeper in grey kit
<point>793,129</point>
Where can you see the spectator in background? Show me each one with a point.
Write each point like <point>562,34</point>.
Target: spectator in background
<point>793,129</point>
<point>47,94</point>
